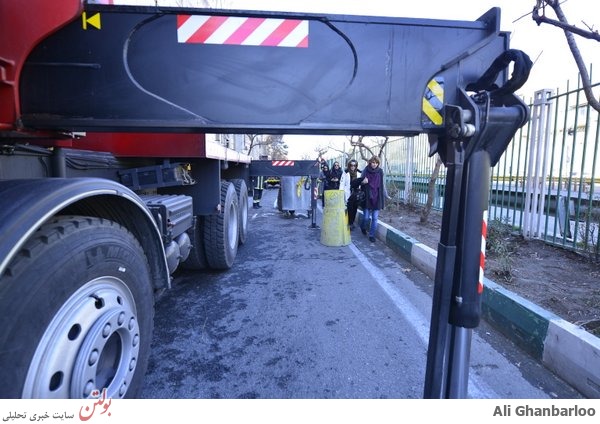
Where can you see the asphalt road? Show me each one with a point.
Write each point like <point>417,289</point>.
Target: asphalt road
<point>296,319</point>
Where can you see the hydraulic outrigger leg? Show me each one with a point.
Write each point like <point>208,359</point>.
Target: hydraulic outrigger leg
<point>478,131</point>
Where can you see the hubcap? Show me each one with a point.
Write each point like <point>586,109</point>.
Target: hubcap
<point>91,344</point>
<point>233,229</point>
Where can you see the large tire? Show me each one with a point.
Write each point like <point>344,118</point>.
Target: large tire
<point>77,313</point>
<point>242,192</point>
<point>279,201</point>
<point>221,231</point>
<point>196,260</point>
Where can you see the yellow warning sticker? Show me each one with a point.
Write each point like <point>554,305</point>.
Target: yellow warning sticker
<point>433,102</point>
<point>93,21</point>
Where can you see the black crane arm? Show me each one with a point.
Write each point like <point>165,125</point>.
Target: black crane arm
<point>182,70</point>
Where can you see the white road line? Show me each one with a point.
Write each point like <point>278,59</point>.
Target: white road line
<point>414,316</point>
<point>477,388</point>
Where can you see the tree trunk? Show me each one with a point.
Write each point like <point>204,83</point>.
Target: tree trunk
<point>431,190</point>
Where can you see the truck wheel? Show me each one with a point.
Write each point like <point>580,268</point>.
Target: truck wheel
<point>221,231</point>
<point>279,200</point>
<point>77,312</point>
<point>242,192</point>
<point>196,260</point>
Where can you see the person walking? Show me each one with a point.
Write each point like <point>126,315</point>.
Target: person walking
<point>373,184</point>
<point>351,186</point>
<point>259,182</point>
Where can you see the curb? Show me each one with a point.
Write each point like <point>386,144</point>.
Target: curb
<point>566,349</point>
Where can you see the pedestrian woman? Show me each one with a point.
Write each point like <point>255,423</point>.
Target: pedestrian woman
<point>324,179</point>
<point>351,185</point>
<point>374,186</point>
<point>334,176</point>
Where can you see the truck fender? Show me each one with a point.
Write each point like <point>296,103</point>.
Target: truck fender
<point>28,203</point>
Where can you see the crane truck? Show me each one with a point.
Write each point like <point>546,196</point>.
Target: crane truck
<point>108,184</point>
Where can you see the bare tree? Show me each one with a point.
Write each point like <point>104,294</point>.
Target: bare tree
<point>336,149</point>
<point>256,140</point>
<point>271,145</point>
<point>431,190</point>
<point>539,16</point>
<point>276,146</point>
<point>368,146</point>
<point>305,156</point>
<point>320,151</point>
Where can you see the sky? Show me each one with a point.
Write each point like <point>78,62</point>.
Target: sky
<point>546,45</point>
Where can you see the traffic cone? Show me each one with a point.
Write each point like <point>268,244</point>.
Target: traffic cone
<point>334,229</point>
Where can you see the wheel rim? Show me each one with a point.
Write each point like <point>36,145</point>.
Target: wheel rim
<point>232,231</point>
<point>91,344</point>
<point>243,215</point>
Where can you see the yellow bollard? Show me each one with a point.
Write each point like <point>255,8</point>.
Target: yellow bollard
<point>334,229</point>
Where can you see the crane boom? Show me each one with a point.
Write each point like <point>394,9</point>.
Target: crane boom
<point>173,69</point>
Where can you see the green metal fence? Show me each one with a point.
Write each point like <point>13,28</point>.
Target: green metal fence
<point>547,183</point>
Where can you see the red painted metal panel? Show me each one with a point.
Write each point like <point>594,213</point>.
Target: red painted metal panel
<point>145,144</point>
<point>22,25</point>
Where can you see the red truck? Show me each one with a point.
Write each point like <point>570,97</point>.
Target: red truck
<point>108,184</point>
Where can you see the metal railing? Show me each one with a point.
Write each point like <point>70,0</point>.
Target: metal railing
<point>547,183</point>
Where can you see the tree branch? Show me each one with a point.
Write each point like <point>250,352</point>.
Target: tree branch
<point>569,30</point>
<point>543,19</point>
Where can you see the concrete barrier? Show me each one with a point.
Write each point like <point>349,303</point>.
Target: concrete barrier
<point>334,228</point>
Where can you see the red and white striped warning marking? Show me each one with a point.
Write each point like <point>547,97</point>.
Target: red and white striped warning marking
<point>282,163</point>
<point>482,253</point>
<point>234,30</point>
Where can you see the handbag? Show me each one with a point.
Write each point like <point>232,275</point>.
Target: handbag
<point>361,196</point>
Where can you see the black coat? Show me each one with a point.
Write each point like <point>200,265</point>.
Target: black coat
<point>324,177</point>
<point>334,178</point>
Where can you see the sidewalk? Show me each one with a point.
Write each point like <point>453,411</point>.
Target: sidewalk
<point>569,351</point>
